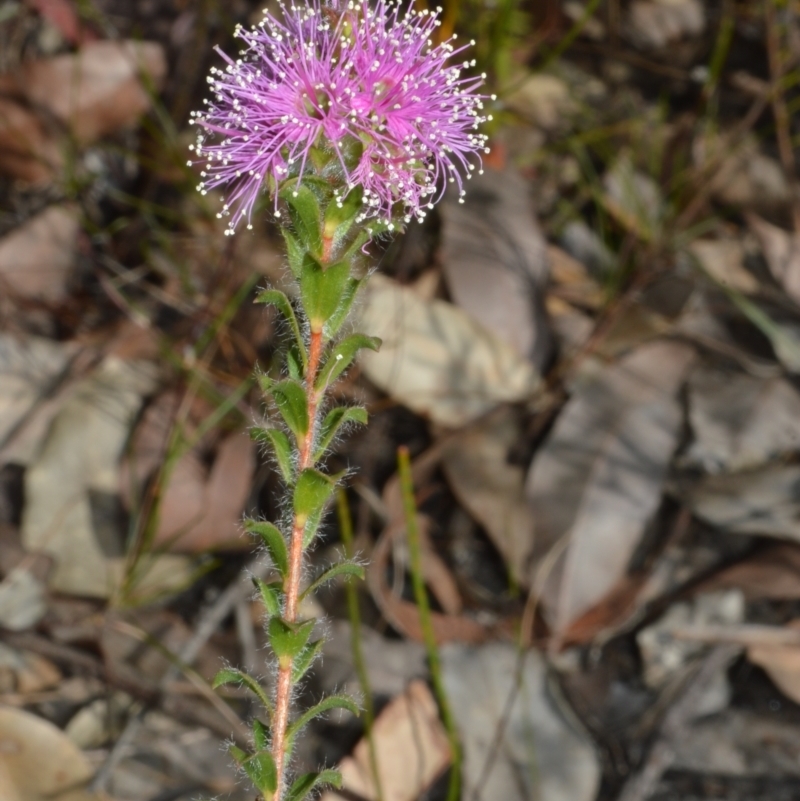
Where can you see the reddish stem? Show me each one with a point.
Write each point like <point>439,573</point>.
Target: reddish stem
<point>283,693</point>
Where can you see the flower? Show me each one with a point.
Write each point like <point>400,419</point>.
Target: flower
<point>362,83</point>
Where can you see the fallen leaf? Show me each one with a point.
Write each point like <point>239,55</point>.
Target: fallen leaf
<point>543,100</point>
<point>782,253</point>
<point>22,600</point>
<point>25,775</point>
<point>764,501</point>
<point>723,260</point>
<point>411,747</point>
<point>773,573</point>
<point>71,510</point>
<point>36,259</point>
<point>105,86</point>
<point>542,753</point>
<point>436,360</point>
<point>571,281</point>
<point>200,507</point>
<point>495,261</point>
<point>492,490</point>
<point>740,422</point>
<point>656,23</point>
<point>597,480</point>
<point>27,152</point>
<point>23,672</point>
<point>665,656</point>
<point>61,14</point>
<point>782,664</point>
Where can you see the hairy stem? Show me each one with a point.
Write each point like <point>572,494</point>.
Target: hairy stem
<point>283,692</point>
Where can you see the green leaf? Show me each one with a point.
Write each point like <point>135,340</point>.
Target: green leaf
<point>271,595</point>
<point>310,781</point>
<point>306,215</point>
<point>339,221</point>
<point>274,542</point>
<point>290,398</point>
<point>322,290</point>
<point>294,252</point>
<point>278,299</point>
<point>294,364</point>
<point>260,735</point>
<point>325,705</point>
<point>288,639</point>
<point>281,447</point>
<point>305,659</point>
<point>337,319</point>
<point>341,357</point>
<point>261,769</point>
<point>237,753</point>
<point>311,493</point>
<point>234,676</point>
<point>333,421</point>
<point>340,569</point>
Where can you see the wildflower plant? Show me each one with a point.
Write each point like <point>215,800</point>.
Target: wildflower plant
<point>350,117</point>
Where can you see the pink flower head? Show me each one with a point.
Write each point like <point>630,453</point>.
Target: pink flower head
<point>344,77</point>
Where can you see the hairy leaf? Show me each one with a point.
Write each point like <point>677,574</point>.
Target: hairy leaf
<point>340,569</point>
<point>325,705</point>
<point>260,735</point>
<point>273,541</point>
<point>281,447</point>
<point>333,421</point>
<point>234,676</point>
<point>305,659</point>
<point>306,215</point>
<point>271,595</point>
<point>337,319</point>
<point>288,639</point>
<point>290,398</point>
<point>276,298</point>
<point>311,493</point>
<point>310,781</point>
<point>342,355</point>
<point>261,769</point>
<point>322,289</point>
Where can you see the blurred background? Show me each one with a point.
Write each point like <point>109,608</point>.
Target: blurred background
<point>594,364</point>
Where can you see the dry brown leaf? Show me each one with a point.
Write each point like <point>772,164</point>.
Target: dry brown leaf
<point>61,14</point>
<point>782,253</point>
<point>36,259</point>
<point>723,260</point>
<point>103,87</point>
<point>26,150</point>
<point>597,480</point>
<point>656,23</point>
<point>571,280</point>
<point>492,490</point>
<point>782,664</point>
<point>38,762</point>
<point>436,359</point>
<point>495,261</point>
<point>773,574</point>
<point>412,750</point>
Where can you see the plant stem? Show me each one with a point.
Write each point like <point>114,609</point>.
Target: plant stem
<point>426,623</point>
<point>283,692</point>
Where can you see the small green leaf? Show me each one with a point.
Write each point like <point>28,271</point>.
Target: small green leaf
<point>305,659</point>
<point>306,215</point>
<point>281,447</point>
<point>260,735</point>
<point>290,398</point>
<point>271,595</point>
<point>333,421</point>
<point>234,676</point>
<point>311,493</point>
<point>325,705</point>
<point>294,364</point>
<point>278,299</point>
<point>310,781</point>
<point>274,542</point>
<point>261,769</point>
<point>342,355</point>
<point>339,220</point>
<point>237,753</point>
<point>288,639</point>
<point>340,569</point>
<point>322,290</point>
<point>337,319</point>
<point>294,252</point>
